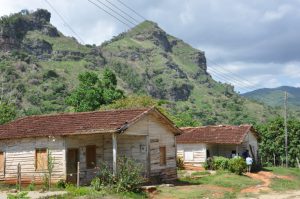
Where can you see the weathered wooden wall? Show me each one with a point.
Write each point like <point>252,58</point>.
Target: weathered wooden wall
<point>250,139</point>
<point>198,152</point>
<point>128,145</point>
<point>23,151</point>
<point>159,136</point>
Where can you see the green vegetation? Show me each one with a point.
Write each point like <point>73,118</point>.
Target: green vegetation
<point>7,112</point>
<point>235,165</point>
<point>222,184</point>
<point>128,177</point>
<point>93,92</point>
<point>290,183</point>
<point>273,141</point>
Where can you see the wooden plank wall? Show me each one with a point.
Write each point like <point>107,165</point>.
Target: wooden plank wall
<point>128,145</point>
<point>198,150</point>
<point>161,135</point>
<point>23,151</point>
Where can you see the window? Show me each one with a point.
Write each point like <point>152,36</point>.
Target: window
<point>1,161</point>
<point>91,157</point>
<point>41,159</point>
<point>188,155</point>
<point>163,155</point>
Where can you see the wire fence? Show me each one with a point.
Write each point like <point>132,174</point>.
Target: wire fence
<point>20,178</point>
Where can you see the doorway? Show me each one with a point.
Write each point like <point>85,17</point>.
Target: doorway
<point>72,160</point>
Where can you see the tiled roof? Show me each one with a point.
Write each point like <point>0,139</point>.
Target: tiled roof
<point>72,123</point>
<point>215,134</point>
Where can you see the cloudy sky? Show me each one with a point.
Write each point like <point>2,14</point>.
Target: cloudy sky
<point>253,44</point>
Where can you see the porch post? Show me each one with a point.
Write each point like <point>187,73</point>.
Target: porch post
<point>114,142</point>
<point>237,150</point>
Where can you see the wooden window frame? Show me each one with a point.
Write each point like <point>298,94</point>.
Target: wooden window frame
<point>89,159</point>
<point>3,163</point>
<point>36,152</point>
<point>162,155</point>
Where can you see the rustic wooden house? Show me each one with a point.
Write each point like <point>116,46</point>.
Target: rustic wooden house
<point>91,138</point>
<point>196,144</point>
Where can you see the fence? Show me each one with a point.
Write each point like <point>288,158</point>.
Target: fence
<point>26,180</point>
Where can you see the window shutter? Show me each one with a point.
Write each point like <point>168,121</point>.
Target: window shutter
<point>91,157</point>
<point>1,161</point>
<point>41,159</point>
<point>163,155</point>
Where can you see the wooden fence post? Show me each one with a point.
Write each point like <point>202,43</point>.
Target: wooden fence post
<point>19,176</point>
<point>298,162</point>
<point>78,174</point>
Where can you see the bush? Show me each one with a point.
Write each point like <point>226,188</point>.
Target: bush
<point>180,163</point>
<point>220,163</point>
<point>237,165</point>
<point>31,186</point>
<point>208,165</point>
<point>20,195</point>
<point>96,184</point>
<point>61,184</point>
<point>128,177</point>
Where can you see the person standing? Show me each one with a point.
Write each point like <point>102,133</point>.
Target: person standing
<point>249,162</point>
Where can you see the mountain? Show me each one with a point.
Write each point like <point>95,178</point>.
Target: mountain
<point>39,68</point>
<point>275,97</point>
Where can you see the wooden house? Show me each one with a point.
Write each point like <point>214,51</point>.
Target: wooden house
<point>90,138</point>
<point>196,144</point>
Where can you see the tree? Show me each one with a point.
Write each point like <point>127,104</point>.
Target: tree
<point>7,112</point>
<point>273,141</point>
<point>94,92</point>
<point>142,101</point>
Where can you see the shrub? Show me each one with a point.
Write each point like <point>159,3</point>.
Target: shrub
<point>220,163</point>
<point>96,184</point>
<point>208,165</point>
<point>237,165</point>
<point>31,186</point>
<point>20,195</point>
<point>180,163</point>
<point>61,184</point>
<point>128,177</point>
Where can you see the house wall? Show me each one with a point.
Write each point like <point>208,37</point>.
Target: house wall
<point>157,135</point>
<point>161,136</point>
<point>23,151</point>
<point>250,139</point>
<point>196,153</point>
<point>127,145</point>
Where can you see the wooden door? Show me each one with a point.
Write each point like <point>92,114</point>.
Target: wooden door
<point>72,160</point>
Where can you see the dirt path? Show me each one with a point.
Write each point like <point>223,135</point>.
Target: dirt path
<point>266,178</point>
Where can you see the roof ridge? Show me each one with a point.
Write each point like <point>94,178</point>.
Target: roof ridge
<point>77,113</point>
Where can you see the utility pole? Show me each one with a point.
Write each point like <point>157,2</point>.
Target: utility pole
<point>285,130</point>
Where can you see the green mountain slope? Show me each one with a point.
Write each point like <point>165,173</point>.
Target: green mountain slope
<point>39,67</point>
<point>275,97</point>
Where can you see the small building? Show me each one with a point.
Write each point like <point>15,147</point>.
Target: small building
<point>90,138</point>
<point>196,144</point>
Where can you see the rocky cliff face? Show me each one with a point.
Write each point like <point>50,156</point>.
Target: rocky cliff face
<point>13,28</point>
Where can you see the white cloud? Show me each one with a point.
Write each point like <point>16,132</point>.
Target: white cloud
<point>274,15</point>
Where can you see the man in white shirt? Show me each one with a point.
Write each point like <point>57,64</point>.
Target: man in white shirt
<point>249,162</point>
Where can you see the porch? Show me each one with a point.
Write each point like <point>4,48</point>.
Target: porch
<point>92,151</point>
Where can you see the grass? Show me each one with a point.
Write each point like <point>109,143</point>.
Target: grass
<point>61,43</point>
<point>88,192</point>
<point>206,185</point>
<point>279,184</point>
<point>224,179</point>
